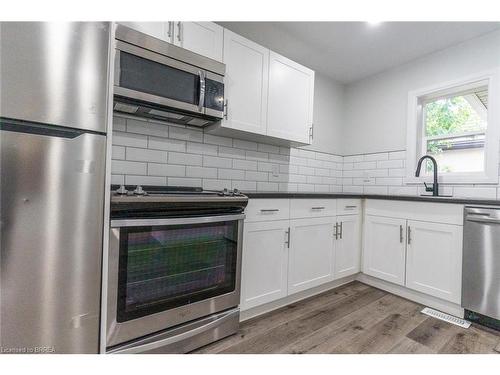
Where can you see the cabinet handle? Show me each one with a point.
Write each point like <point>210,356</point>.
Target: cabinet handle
<point>318,208</point>
<point>269,209</point>
<point>287,241</point>
<point>170,29</point>
<point>336,232</point>
<point>311,132</point>
<point>401,234</point>
<point>409,235</point>
<point>179,35</point>
<point>226,109</point>
<point>350,207</point>
<point>341,230</point>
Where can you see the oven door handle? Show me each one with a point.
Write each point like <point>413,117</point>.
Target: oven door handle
<point>118,223</point>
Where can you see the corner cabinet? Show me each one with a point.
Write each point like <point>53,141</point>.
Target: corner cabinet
<point>384,254</point>
<point>291,97</point>
<point>434,259</point>
<point>246,84</point>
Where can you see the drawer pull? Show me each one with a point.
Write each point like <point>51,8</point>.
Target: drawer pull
<point>269,210</point>
<point>318,208</point>
<point>350,207</point>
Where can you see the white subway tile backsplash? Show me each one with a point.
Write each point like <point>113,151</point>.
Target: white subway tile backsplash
<point>322,172</point>
<point>179,181</point>
<point>267,167</point>
<point>366,165</point>
<point>313,179</point>
<point>321,188</point>
<point>375,190</point>
<point>128,167</point>
<point>216,140</point>
<point>352,189</point>
<point>119,124</point>
<point>144,180</point>
<point>184,159</point>
<point>315,163</point>
<point>390,164</point>
<point>363,181</point>
<point>249,165</point>
<point>475,192</point>
<point>305,188</point>
<point>156,169</point>
<point>129,139</point>
<point>218,162</point>
<point>376,157</point>
<point>209,184</point>
<point>185,134</point>
<point>279,159</point>
<point>118,152</point>
<point>397,172</point>
<point>230,152</point>
<point>267,186</point>
<point>140,154</point>
<point>244,185</point>
<point>347,166</point>
<point>166,144</point>
<point>231,174</point>
<point>256,155</point>
<point>297,178</point>
<point>268,148</point>
<point>286,186</point>
<point>397,155</point>
<point>256,176</point>
<point>298,161</point>
<point>202,172</point>
<point>147,128</point>
<point>376,173</point>
<point>245,145</point>
<point>117,179</point>
<point>402,190</point>
<point>353,158</point>
<point>306,170</point>
<point>389,181</point>
<point>201,149</point>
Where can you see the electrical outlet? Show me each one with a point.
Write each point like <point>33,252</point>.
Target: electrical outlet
<point>275,170</point>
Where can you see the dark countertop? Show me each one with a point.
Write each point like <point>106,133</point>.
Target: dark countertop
<point>411,198</point>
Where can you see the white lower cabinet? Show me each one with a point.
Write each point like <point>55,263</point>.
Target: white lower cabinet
<point>264,263</point>
<point>311,253</point>
<point>434,259</point>
<point>384,253</point>
<point>347,257</point>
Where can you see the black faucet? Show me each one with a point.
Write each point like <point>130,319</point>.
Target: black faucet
<point>434,187</point>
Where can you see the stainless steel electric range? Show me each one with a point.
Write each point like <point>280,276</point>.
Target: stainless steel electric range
<point>174,268</point>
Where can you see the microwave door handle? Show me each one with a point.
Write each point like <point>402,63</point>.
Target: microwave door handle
<point>201,103</point>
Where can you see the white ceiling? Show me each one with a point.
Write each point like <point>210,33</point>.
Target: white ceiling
<point>349,51</point>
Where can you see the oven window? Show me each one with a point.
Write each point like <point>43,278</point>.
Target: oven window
<point>139,74</point>
<point>163,267</point>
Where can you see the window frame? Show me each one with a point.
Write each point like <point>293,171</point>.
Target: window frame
<point>417,98</point>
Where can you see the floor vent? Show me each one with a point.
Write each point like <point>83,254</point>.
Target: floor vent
<point>446,317</point>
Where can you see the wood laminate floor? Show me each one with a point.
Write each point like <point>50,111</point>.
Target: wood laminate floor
<point>354,318</point>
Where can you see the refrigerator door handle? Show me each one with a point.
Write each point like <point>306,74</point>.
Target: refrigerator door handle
<point>26,127</point>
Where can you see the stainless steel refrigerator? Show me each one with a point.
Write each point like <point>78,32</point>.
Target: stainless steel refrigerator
<point>53,109</point>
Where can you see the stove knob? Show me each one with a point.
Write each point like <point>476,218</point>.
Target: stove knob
<point>121,190</point>
<point>236,192</point>
<point>139,190</point>
<point>225,192</point>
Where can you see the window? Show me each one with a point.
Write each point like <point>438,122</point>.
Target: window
<point>454,124</point>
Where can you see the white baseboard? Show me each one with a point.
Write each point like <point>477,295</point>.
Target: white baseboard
<point>262,309</point>
<point>424,299</point>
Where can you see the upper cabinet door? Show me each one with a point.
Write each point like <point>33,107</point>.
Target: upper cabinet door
<point>204,38</point>
<point>434,259</point>
<point>291,96</point>
<point>160,30</point>
<point>246,83</point>
<point>384,252</point>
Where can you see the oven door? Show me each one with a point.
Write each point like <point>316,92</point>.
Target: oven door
<point>164,272</point>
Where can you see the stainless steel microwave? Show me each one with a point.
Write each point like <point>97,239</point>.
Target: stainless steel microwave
<point>156,79</point>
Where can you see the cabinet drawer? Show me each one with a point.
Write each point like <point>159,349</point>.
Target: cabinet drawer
<point>348,206</point>
<point>267,209</point>
<point>304,208</point>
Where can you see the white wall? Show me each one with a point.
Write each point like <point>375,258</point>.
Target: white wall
<point>375,108</point>
<point>328,115</point>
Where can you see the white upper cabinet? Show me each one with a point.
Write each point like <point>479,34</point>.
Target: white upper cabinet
<point>160,30</point>
<point>291,97</point>
<point>347,246</point>
<point>311,253</point>
<point>434,259</point>
<point>205,38</point>
<point>384,253</point>
<point>246,83</point>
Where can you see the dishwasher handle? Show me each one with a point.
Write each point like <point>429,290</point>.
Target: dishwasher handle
<point>480,219</point>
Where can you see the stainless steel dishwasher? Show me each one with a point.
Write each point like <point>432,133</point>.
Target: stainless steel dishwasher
<point>481,265</point>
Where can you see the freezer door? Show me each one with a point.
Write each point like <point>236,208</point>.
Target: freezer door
<point>481,261</point>
<point>55,73</point>
<point>52,193</point>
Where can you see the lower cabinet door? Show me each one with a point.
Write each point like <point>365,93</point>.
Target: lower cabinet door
<point>347,258</point>
<point>311,253</point>
<point>384,249</point>
<point>264,262</point>
<point>434,259</point>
